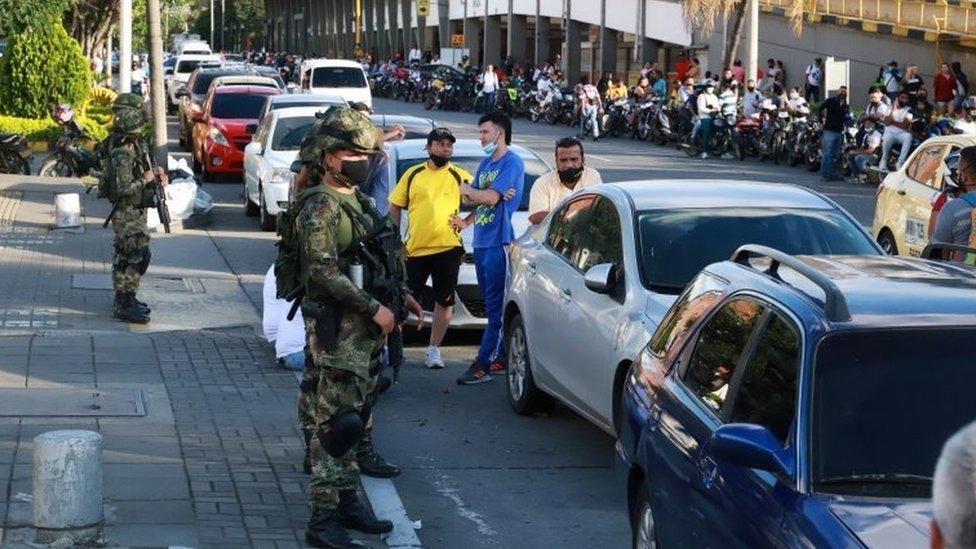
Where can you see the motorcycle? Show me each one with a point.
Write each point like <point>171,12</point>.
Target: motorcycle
<point>775,133</point>
<point>661,123</point>
<point>15,154</point>
<point>618,112</point>
<point>70,158</point>
<point>748,135</point>
<point>723,139</point>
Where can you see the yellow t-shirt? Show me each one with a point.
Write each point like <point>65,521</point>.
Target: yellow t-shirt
<point>434,196</point>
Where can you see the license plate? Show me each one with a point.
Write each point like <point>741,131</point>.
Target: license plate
<point>914,231</point>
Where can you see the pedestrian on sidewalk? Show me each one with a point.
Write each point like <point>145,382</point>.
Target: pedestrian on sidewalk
<point>570,175</point>
<point>489,87</point>
<point>814,78</point>
<point>500,174</point>
<point>834,112</point>
<point>127,180</point>
<point>430,195</point>
<point>326,235</point>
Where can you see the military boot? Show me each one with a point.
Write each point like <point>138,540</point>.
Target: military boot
<point>142,305</point>
<point>373,465</point>
<point>353,514</point>
<point>324,530</point>
<point>307,463</point>
<point>126,309</point>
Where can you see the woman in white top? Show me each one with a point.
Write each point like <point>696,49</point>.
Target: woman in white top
<point>489,87</point>
<point>707,107</point>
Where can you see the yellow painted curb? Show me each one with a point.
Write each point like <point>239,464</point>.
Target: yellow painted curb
<point>869,26</point>
<point>899,31</point>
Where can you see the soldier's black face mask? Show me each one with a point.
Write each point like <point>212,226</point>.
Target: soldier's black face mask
<point>352,172</point>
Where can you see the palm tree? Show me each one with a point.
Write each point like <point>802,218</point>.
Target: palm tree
<point>702,14</point>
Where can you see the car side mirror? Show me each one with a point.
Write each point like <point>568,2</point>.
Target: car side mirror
<point>196,116</point>
<point>168,72</point>
<point>254,148</point>
<point>600,278</point>
<point>251,128</point>
<point>181,94</point>
<point>752,446</point>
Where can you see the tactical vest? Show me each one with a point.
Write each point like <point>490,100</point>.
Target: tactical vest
<point>107,181</point>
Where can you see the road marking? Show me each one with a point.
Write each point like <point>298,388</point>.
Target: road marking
<point>603,158</point>
<point>452,493</point>
<point>386,504</point>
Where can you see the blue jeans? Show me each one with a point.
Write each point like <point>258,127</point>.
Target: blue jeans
<point>706,134</point>
<point>294,361</point>
<point>830,148</point>
<point>589,113</point>
<point>489,99</point>
<point>491,266</point>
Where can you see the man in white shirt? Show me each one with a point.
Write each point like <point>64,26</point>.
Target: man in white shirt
<point>415,55</point>
<point>751,100</point>
<point>877,107</point>
<point>288,336</point>
<point>897,130</point>
<point>489,85</point>
<point>570,175</point>
<point>814,75</point>
<point>859,158</point>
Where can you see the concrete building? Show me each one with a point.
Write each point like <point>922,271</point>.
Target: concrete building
<point>594,36</point>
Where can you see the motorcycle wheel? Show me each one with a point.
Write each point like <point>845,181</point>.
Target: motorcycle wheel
<point>690,147</point>
<point>777,147</point>
<point>429,103</point>
<point>533,115</point>
<point>55,166</point>
<point>643,132</point>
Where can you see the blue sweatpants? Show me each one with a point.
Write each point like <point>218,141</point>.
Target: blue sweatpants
<point>491,266</point>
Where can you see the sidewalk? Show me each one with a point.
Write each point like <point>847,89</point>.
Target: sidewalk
<point>201,445</point>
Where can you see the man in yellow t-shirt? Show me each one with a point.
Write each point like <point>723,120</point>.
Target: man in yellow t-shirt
<point>618,91</point>
<point>570,175</point>
<point>430,194</point>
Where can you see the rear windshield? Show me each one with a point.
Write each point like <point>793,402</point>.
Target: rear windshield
<point>289,132</point>
<point>187,66</point>
<point>338,77</point>
<point>202,83</point>
<point>237,105</point>
<point>533,169</point>
<point>884,403</point>
<point>290,104</point>
<point>676,244</point>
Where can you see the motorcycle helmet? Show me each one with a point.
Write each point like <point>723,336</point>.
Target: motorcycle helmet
<point>950,170</point>
<point>63,114</point>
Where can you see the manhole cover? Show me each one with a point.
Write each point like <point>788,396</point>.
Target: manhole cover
<point>25,402</point>
<point>191,285</point>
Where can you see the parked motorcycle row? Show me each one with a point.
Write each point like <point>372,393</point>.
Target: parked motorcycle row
<point>68,157</point>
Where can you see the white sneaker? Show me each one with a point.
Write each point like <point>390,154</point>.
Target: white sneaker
<point>434,360</point>
<point>704,156</point>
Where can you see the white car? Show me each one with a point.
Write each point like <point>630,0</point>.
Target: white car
<point>184,66</point>
<point>469,304</point>
<point>590,284</point>
<point>337,76</point>
<point>289,101</point>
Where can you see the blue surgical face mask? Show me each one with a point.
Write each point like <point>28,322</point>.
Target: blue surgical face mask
<point>490,148</point>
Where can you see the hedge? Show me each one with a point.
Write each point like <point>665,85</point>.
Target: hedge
<point>47,130</point>
<point>43,67</point>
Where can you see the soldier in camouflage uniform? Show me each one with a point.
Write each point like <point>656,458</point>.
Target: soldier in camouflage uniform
<point>345,325</point>
<point>126,173</point>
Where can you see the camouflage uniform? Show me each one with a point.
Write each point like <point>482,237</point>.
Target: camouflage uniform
<point>123,166</point>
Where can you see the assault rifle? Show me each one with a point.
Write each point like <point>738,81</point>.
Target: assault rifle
<point>160,193</point>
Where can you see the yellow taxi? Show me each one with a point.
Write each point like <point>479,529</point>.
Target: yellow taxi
<point>909,200</point>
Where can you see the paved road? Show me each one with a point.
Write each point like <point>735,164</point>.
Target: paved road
<point>475,474</point>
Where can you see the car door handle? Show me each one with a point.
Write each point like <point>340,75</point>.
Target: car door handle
<point>708,470</point>
<point>567,295</point>
<point>530,267</point>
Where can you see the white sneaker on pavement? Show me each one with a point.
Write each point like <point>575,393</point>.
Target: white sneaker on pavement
<point>434,360</point>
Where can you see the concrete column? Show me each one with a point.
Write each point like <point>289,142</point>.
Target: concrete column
<point>752,39</point>
<point>608,43</point>
<point>493,40</point>
<point>445,27</point>
<point>473,27</point>
<point>396,44</point>
<point>125,46</point>
<point>67,486</point>
<point>516,35</point>
<point>571,53</point>
<point>409,37</point>
<point>382,36</point>
<point>348,36</point>
<point>369,28</point>
<point>542,31</point>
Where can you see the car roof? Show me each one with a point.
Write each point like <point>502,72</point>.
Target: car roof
<point>245,89</point>
<point>315,63</point>
<point>667,194</point>
<point>198,57</point>
<point>403,119</point>
<point>960,140</point>
<point>244,78</point>
<point>411,149</point>
<point>877,291</point>
<point>295,112</point>
<point>325,98</point>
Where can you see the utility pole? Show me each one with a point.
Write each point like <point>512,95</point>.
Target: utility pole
<point>212,43</point>
<point>125,46</point>
<point>752,45</point>
<point>359,22</point>
<point>157,96</point>
<point>223,11</point>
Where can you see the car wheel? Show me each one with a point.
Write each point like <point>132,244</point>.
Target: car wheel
<point>523,395</point>
<point>643,528</point>
<point>268,221</point>
<point>250,208</point>
<point>887,242</point>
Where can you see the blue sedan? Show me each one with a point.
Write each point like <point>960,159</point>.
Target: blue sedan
<point>799,401</point>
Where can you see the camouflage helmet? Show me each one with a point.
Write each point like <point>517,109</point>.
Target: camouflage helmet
<point>340,129</point>
<point>130,114</point>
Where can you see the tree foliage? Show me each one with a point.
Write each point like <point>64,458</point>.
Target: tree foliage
<point>42,68</point>
<point>19,15</point>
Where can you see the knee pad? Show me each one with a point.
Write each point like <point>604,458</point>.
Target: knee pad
<point>344,432</point>
<point>143,265</point>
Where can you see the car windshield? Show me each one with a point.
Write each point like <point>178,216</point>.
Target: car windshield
<point>533,169</point>
<point>884,403</point>
<point>289,132</point>
<point>676,244</point>
<point>187,66</point>
<point>237,105</point>
<point>292,104</point>
<point>338,77</point>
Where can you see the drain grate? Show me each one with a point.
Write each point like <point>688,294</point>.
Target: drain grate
<point>63,402</point>
<point>191,285</point>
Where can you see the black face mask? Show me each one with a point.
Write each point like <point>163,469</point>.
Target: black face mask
<point>438,160</point>
<point>570,175</point>
<point>352,173</point>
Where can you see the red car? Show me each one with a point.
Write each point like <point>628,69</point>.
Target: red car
<point>220,128</point>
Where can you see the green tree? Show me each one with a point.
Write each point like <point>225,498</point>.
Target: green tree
<point>43,67</point>
<point>19,15</point>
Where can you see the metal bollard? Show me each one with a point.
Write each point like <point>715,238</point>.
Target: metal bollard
<point>67,208</point>
<point>68,486</point>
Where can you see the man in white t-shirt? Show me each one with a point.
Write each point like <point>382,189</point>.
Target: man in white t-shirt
<point>570,175</point>
<point>752,100</point>
<point>860,157</point>
<point>814,75</point>
<point>288,336</point>
<point>897,130</point>
<point>415,55</point>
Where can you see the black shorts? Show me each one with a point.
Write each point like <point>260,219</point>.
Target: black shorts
<point>442,268</point>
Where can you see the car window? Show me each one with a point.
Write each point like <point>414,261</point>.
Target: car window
<point>338,77</point>
<point>722,340</point>
<point>922,168</point>
<point>567,225</point>
<point>767,393</point>
<point>289,132</point>
<point>696,300</point>
<point>261,136</point>
<point>600,242</point>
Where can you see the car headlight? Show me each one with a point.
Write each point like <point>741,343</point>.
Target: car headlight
<point>281,175</point>
<point>218,138</point>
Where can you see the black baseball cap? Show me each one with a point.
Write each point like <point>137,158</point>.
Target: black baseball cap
<point>440,134</point>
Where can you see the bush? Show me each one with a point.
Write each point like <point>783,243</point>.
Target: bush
<point>47,130</point>
<point>42,67</point>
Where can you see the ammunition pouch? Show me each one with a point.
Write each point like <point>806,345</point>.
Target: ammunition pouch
<point>345,431</point>
<point>327,319</point>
